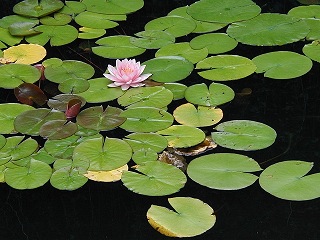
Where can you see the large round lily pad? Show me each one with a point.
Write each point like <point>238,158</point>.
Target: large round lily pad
<point>244,135</point>
<point>282,64</point>
<point>288,180</point>
<point>269,29</point>
<point>191,217</point>
<point>154,178</point>
<point>225,171</point>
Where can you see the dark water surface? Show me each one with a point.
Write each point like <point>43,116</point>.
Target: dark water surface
<point>99,211</point>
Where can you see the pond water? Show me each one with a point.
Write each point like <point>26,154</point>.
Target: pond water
<point>99,211</point>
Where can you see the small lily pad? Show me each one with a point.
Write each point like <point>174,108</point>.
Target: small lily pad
<point>21,29</point>
<point>95,20</point>
<point>187,114</point>
<point>179,136</point>
<point>90,33</point>
<point>146,119</point>
<point>312,50</point>
<point>226,67</point>
<point>57,129</point>
<point>168,68</point>
<point>33,8</point>
<point>282,64</point>
<point>215,95</point>
<point>60,102</point>
<point>177,89</point>
<point>154,178</point>
<point>244,135</point>
<point>6,21</point>
<point>106,176</point>
<point>152,141</point>
<point>144,155</point>
<point>152,39</point>
<point>28,93</point>
<point>68,178</point>
<point>191,217</point>
<point>288,180</point>
<point>73,7</point>
<point>7,38</point>
<point>58,19</point>
<point>224,171</point>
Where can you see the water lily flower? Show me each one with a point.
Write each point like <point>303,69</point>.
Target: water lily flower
<point>127,73</point>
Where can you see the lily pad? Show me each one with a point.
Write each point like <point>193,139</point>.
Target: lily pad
<point>184,50</point>
<point>143,155</point>
<point>33,8</point>
<point>152,141</point>
<point>187,114</point>
<point>96,20</point>
<point>74,85</point>
<point>176,25</point>
<point>99,91</point>
<point>90,33</point>
<point>73,7</point>
<point>13,75</point>
<point>312,11</point>
<point>6,21</point>
<point>60,102</point>
<point>35,175</point>
<point>224,171</point>
<point>152,39</point>
<point>57,129</point>
<point>223,11</point>
<point>177,89</point>
<point>154,178</point>
<point>312,50</point>
<point>282,64</point>
<point>269,29</point>
<point>21,29</point>
<point>314,26</point>
<point>8,113</point>
<point>25,53</point>
<point>98,119</point>
<point>226,67</point>
<point>7,38</point>
<point>146,97</point>
<point>28,93</point>
<point>68,178</point>
<point>215,95</point>
<point>288,180</point>
<point>103,154</point>
<point>57,35</point>
<point>215,43</point>
<point>146,119</point>
<point>113,6</point>
<point>179,136</point>
<point>116,47</point>
<point>168,68</point>
<point>191,217</point>
<point>58,19</point>
<point>106,176</point>
<point>244,135</point>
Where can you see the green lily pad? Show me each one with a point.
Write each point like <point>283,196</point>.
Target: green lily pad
<point>53,62</point>
<point>244,135</point>
<point>100,92</point>
<point>144,155</point>
<point>33,8</point>
<point>57,129</point>
<point>13,75</point>
<point>102,120</point>
<point>8,113</point>
<point>314,26</point>
<point>157,96</point>
<point>282,64</point>
<point>70,69</point>
<point>68,178</point>
<point>224,171</point>
<point>215,95</point>
<point>152,39</point>
<point>201,27</point>
<point>90,33</point>
<point>6,21</point>
<point>74,85</point>
<point>103,154</point>
<point>116,47</point>
<point>312,11</point>
<point>7,38</point>
<point>223,11</point>
<point>288,180</point>
<point>73,7</point>
<point>16,148</point>
<point>96,20</point>
<point>191,217</point>
<point>146,119</point>
<point>2,170</point>
<point>184,50</point>
<point>269,29</point>
<point>179,136</point>
<point>215,43</point>
<point>312,50</point>
<point>57,35</point>
<point>21,29</point>
<point>3,141</point>
<point>60,102</point>
<point>187,114</point>
<point>154,178</point>
<point>168,68</point>
<point>113,6</point>
<point>35,175</point>
<point>58,19</point>
<point>176,25</point>
<point>226,67</point>
<point>177,89</point>
<point>43,156</point>
<point>30,122</point>
<point>153,141</point>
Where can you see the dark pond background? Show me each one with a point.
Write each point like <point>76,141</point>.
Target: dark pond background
<point>99,211</point>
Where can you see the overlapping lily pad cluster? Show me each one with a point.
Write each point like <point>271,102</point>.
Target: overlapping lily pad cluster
<point>75,151</point>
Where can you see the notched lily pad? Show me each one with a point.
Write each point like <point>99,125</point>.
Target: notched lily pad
<point>34,8</point>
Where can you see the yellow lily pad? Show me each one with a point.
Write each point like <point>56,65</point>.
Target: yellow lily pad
<point>106,176</point>
<point>25,53</point>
